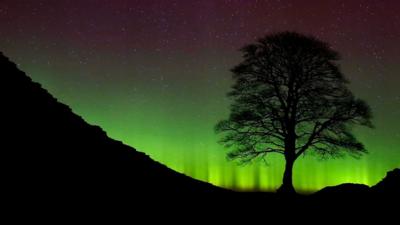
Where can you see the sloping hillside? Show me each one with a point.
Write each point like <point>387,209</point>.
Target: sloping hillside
<point>50,151</point>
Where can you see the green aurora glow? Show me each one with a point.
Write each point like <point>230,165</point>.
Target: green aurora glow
<point>164,98</point>
<point>179,133</point>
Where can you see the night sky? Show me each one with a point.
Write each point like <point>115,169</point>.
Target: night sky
<point>154,74</point>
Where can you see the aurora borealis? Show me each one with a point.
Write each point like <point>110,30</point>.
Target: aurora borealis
<point>154,74</point>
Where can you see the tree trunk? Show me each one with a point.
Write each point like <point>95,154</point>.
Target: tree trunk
<point>287,183</point>
<point>290,156</point>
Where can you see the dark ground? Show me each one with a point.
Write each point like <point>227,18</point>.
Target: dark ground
<point>57,164</point>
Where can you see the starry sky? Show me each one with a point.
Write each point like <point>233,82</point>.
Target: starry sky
<point>154,74</point>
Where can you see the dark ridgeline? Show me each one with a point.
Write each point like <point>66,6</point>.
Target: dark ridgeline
<point>290,98</point>
<point>54,154</point>
<point>390,185</point>
<point>384,194</point>
<point>53,160</point>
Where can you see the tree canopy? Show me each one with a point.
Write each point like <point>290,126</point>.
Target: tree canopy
<point>290,97</point>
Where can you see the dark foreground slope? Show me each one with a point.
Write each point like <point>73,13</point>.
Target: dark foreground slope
<point>49,152</point>
<point>389,185</point>
<point>385,195</point>
<point>52,157</point>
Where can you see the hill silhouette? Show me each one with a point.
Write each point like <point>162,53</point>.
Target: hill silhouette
<point>390,185</point>
<point>347,189</point>
<point>384,194</point>
<point>53,156</point>
<point>52,152</point>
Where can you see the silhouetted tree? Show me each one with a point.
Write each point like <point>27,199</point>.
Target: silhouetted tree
<point>290,97</point>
